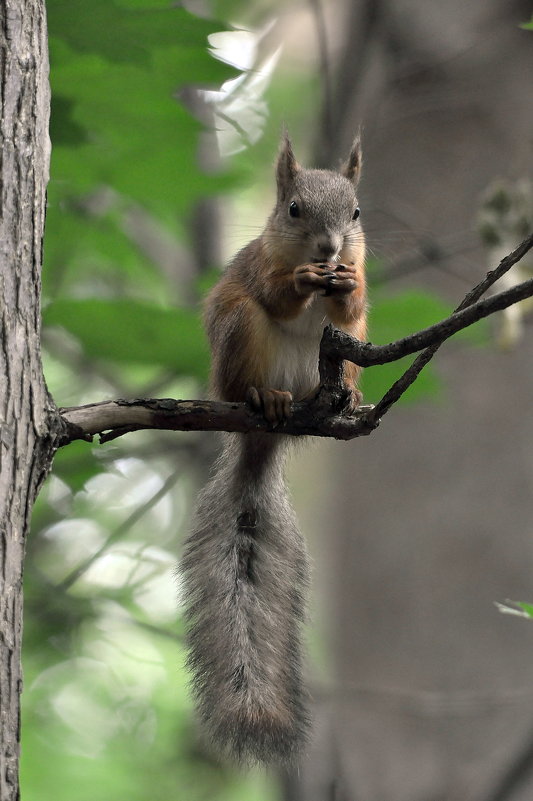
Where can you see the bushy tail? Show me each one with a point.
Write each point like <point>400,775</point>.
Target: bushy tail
<point>245,573</point>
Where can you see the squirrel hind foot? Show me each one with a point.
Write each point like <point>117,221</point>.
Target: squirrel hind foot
<point>274,404</point>
<point>351,401</point>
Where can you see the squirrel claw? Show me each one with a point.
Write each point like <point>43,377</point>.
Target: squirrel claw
<point>275,404</point>
<point>352,401</point>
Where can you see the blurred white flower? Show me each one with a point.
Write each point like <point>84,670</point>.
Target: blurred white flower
<point>239,107</point>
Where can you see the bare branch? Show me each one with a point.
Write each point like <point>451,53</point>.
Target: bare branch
<point>121,416</point>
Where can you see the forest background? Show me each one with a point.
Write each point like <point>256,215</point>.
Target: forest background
<point>415,531</point>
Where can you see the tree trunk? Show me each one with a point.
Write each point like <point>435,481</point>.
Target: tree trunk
<point>27,441</point>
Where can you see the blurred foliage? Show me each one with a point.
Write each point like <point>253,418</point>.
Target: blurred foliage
<point>396,315</point>
<point>106,714</point>
<point>140,332</point>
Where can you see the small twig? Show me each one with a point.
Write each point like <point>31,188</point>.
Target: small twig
<point>109,436</point>
<point>159,630</point>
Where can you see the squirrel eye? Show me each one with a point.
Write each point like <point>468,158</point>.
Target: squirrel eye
<point>294,211</point>
<point>356,213</point>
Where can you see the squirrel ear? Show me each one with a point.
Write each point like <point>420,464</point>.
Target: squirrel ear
<point>351,169</point>
<point>287,166</point>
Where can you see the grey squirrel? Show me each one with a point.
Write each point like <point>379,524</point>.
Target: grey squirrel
<point>245,566</point>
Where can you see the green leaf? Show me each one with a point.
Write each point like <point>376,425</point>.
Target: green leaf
<point>116,68</point>
<point>138,139</point>
<point>375,381</point>
<point>396,316</point>
<point>517,608</point>
<point>75,465</point>
<point>527,608</point>
<point>126,32</point>
<point>83,252</point>
<point>135,333</point>
<point>63,127</point>
<point>527,26</point>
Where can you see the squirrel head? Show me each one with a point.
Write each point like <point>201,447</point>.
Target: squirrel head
<point>316,215</point>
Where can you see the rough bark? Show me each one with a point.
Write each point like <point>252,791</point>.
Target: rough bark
<point>25,445</point>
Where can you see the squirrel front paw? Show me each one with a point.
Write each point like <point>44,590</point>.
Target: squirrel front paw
<point>343,281</point>
<point>334,279</point>
<point>275,404</point>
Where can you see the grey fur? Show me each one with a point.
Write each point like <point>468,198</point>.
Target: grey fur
<point>245,571</point>
<point>286,167</point>
<point>352,168</point>
<point>326,200</point>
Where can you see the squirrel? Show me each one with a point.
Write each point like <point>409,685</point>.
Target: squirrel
<point>245,565</point>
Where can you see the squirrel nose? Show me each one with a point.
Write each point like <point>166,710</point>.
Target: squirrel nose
<point>328,246</point>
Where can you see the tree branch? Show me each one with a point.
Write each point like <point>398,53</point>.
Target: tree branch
<point>366,355</point>
<point>411,374</point>
<point>321,416</point>
<point>122,416</point>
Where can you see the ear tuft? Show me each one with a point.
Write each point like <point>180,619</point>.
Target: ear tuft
<point>287,166</point>
<point>351,169</point>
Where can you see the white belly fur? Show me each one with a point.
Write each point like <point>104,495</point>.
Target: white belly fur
<point>296,344</point>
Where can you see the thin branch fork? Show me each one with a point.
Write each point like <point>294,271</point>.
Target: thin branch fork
<point>321,416</point>
<point>367,355</point>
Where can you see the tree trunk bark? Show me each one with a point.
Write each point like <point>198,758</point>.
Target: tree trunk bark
<point>26,418</point>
